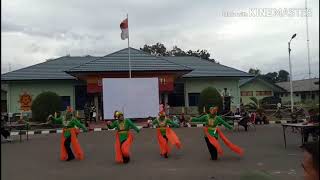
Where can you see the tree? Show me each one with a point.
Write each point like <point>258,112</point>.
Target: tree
<point>255,104</point>
<point>177,52</point>
<point>156,49</point>
<point>45,104</point>
<point>254,71</point>
<point>209,97</point>
<point>273,77</point>
<point>160,50</point>
<point>283,76</point>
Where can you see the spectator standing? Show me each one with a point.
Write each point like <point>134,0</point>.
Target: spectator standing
<point>93,112</point>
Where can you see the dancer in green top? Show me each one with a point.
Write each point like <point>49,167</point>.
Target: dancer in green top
<point>165,134</point>
<point>70,131</point>
<point>124,137</point>
<point>212,133</point>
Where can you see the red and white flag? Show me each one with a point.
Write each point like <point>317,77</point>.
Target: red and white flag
<point>124,29</point>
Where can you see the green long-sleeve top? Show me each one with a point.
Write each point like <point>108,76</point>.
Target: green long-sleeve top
<point>162,124</point>
<point>123,127</point>
<point>73,123</point>
<point>212,122</point>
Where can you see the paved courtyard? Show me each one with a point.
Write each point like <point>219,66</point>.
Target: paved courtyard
<point>265,157</point>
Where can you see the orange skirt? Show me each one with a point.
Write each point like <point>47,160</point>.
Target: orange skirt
<point>74,143</point>
<point>123,150</point>
<point>172,138</point>
<point>216,144</point>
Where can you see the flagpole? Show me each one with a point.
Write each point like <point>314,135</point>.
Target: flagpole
<point>129,48</point>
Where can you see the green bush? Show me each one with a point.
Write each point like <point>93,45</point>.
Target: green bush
<point>45,104</point>
<point>210,97</point>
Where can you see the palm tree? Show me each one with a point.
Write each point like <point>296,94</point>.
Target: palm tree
<point>255,104</point>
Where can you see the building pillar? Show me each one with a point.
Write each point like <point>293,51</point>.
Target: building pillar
<point>8,99</point>
<point>96,104</point>
<point>166,98</point>
<point>186,97</point>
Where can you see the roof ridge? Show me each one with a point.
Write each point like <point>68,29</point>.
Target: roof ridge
<point>97,59</point>
<point>158,57</point>
<point>83,63</point>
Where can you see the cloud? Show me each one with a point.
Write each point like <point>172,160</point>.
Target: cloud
<point>35,30</point>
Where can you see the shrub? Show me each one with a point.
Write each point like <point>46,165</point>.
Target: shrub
<point>210,97</point>
<point>45,104</point>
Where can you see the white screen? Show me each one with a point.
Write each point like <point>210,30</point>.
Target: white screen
<point>136,97</point>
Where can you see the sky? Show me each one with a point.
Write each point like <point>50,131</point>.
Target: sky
<point>36,30</point>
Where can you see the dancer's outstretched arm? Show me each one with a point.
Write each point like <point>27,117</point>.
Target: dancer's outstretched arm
<point>133,126</point>
<point>203,118</point>
<point>79,124</point>
<point>173,124</point>
<point>112,125</point>
<point>224,123</point>
<point>55,119</point>
<point>155,122</point>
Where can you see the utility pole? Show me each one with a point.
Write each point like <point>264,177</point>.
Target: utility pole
<point>308,48</point>
<point>291,89</point>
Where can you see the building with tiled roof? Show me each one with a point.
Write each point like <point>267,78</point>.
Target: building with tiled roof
<point>78,79</point>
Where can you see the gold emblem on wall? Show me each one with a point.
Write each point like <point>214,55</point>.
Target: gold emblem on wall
<point>25,101</point>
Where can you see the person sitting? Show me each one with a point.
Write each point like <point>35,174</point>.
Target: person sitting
<point>261,118</point>
<point>310,161</point>
<point>314,131</point>
<point>264,119</point>
<point>253,117</point>
<point>237,112</point>
<point>182,120</point>
<point>244,121</point>
<point>4,132</point>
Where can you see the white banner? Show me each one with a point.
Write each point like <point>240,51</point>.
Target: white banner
<point>135,97</point>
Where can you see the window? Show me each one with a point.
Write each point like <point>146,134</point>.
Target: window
<point>65,102</point>
<point>176,98</point>
<point>297,94</point>
<point>193,99</point>
<point>313,96</point>
<point>263,93</point>
<point>246,93</point>
<point>303,96</point>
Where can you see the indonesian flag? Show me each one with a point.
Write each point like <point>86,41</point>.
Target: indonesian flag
<point>124,29</point>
